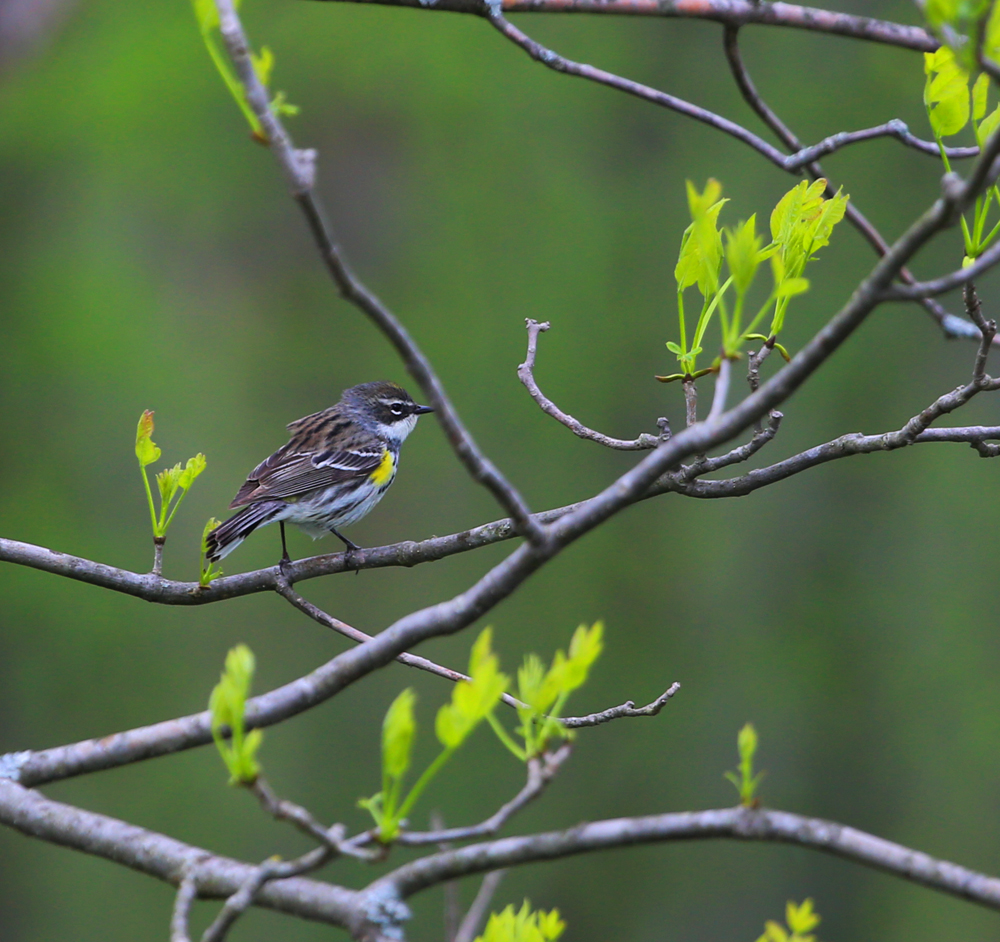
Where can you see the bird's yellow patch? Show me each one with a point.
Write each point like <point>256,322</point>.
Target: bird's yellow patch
<point>383,473</point>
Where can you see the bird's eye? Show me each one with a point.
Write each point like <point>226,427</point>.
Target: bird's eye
<point>397,409</point>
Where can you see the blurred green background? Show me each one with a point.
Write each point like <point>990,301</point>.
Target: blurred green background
<point>150,258</point>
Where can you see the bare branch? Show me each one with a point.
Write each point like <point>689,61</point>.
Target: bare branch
<point>541,771</point>
<point>955,279</point>
<point>355,634</point>
<point>737,823</point>
<point>272,869</point>
<point>526,374</point>
<point>167,859</point>
<point>298,168</point>
<point>477,911</point>
<point>734,12</point>
<point>187,892</point>
<point>626,709</point>
<point>791,163</point>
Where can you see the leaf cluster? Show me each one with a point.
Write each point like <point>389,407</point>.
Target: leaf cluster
<point>544,691</point>
<point>951,105</point>
<point>523,925</point>
<point>472,701</point>
<point>801,920</point>
<point>227,705</point>
<point>801,224</point>
<point>172,483</point>
<point>743,779</point>
<point>207,15</point>
<point>206,566</point>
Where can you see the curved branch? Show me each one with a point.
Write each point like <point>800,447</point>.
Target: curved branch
<point>734,12</point>
<point>526,374</point>
<point>956,279</point>
<point>737,823</point>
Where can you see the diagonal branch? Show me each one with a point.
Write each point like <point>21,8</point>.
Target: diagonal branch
<point>299,172</point>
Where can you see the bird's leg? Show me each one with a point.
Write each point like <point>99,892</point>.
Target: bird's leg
<point>285,558</point>
<point>350,547</point>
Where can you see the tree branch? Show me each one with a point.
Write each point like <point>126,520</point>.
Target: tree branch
<point>734,12</point>
<point>738,823</point>
<point>951,326</point>
<point>477,911</point>
<point>167,859</point>
<point>526,374</point>
<point>298,168</point>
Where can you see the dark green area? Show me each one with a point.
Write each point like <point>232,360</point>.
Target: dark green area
<point>150,258</point>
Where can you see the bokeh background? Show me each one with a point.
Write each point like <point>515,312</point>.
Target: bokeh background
<point>150,258</point>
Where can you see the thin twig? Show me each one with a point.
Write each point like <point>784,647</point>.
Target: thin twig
<point>271,869</point>
<point>721,389</point>
<point>541,771</point>
<point>298,167</point>
<point>988,328</point>
<point>626,709</point>
<point>690,402</point>
<point>526,374</point>
<point>477,911</point>
<point>791,163</point>
<point>187,893</point>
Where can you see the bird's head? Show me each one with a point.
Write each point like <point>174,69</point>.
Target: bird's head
<point>385,408</point>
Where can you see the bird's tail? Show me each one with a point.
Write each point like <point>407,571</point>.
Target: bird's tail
<point>227,536</point>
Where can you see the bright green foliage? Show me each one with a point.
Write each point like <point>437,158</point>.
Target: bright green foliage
<point>544,692</point>
<point>227,705</point>
<point>958,23</point>
<point>947,100</point>
<point>745,781</point>
<point>208,570</point>
<point>472,701</point>
<point>172,482</point>
<point>801,225</point>
<point>523,926</point>
<point>946,92</point>
<point>801,921</point>
<point>207,15</point>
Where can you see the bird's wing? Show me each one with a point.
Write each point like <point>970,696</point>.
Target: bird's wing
<point>289,473</point>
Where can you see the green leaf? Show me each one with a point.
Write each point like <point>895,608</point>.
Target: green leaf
<point>743,254</point>
<point>792,286</point>
<point>145,450</point>
<point>167,481</point>
<point>523,926</point>
<point>674,348</point>
<point>773,933</point>
<point>801,919</point>
<point>701,245</point>
<point>227,705</point>
<point>946,92</point>
<point>192,469</point>
<point>473,699</point>
<point>746,743</point>
<point>398,732</point>
<point>979,97</point>
<point>989,125</point>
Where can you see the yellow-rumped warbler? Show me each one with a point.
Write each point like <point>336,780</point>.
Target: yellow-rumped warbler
<point>333,471</point>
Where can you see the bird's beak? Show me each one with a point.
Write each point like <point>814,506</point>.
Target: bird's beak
<point>423,410</point>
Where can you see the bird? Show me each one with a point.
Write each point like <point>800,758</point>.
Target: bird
<point>335,468</point>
